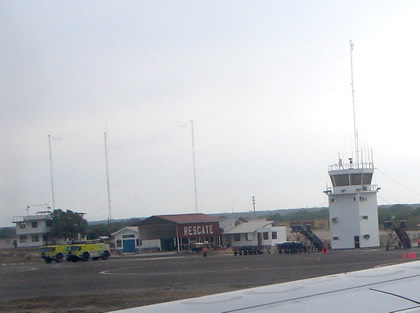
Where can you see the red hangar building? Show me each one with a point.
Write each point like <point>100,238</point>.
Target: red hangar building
<point>179,232</point>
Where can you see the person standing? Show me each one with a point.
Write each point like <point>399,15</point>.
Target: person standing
<point>204,252</point>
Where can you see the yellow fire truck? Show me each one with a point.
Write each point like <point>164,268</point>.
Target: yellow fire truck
<point>53,253</point>
<point>75,251</point>
<point>86,250</point>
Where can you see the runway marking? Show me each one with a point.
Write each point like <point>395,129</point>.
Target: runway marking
<point>161,258</point>
<point>21,271</point>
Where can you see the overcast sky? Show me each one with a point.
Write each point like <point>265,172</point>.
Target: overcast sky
<point>267,84</point>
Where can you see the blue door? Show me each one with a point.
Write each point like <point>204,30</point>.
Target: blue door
<point>129,245</point>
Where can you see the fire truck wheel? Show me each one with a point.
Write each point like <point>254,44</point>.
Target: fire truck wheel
<point>85,257</point>
<point>59,258</point>
<point>105,255</point>
<point>48,260</point>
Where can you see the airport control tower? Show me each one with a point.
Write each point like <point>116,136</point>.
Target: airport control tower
<point>352,198</point>
<point>353,206</point>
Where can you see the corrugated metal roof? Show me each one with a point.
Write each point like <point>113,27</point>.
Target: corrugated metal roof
<point>132,228</point>
<point>248,227</point>
<point>188,218</point>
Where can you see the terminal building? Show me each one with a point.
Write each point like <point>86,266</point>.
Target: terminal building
<point>32,230</point>
<point>257,233</point>
<point>353,207</point>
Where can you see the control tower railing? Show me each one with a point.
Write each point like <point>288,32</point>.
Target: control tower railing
<point>351,166</point>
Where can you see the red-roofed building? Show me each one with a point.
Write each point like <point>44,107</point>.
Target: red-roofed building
<point>178,232</point>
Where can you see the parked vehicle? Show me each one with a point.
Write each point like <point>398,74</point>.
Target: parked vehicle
<point>53,253</point>
<point>85,251</point>
<point>291,247</point>
<point>197,247</point>
<point>247,250</point>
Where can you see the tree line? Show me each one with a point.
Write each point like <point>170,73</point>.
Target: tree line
<point>395,212</point>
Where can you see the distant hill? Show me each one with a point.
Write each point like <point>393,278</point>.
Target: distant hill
<point>409,212</point>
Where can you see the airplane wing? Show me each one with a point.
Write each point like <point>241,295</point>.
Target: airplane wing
<point>388,289</point>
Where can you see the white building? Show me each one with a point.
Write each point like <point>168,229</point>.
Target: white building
<point>32,230</point>
<point>127,240</point>
<point>353,206</point>
<point>7,243</point>
<point>254,233</point>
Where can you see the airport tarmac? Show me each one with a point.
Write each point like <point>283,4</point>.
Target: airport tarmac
<point>117,283</point>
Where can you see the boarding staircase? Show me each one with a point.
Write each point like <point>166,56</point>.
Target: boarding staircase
<point>402,235</point>
<point>309,235</point>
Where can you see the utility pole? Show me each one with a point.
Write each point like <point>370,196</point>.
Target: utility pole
<point>253,203</point>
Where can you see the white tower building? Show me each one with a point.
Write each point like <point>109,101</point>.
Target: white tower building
<point>353,206</point>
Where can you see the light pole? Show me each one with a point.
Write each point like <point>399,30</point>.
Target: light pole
<point>50,138</point>
<point>51,172</point>
<point>193,161</point>
<point>107,180</point>
<point>194,169</point>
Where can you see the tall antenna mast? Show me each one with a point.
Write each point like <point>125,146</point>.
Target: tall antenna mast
<point>194,170</point>
<point>356,136</point>
<point>51,173</point>
<point>107,178</point>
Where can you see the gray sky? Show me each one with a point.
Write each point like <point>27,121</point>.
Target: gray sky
<point>267,84</point>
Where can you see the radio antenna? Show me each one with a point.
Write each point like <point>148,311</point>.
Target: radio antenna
<point>356,135</point>
<point>107,177</point>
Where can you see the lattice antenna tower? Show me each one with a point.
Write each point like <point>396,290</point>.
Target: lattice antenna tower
<point>356,135</point>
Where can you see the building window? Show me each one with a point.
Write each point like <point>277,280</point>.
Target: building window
<point>118,243</point>
<point>44,238</point>
<point>365,217</point>
<point>128,236</point>
<point>249,236</point>
<point>34,224</point>
<point>265,235</point>
<point>335,238</point>
<point>22,239</point>
<point>35,238</point>
<point>274,235</point>
<point>332,200</point>
<point>49,223</point>
<point>22,225</point>
<point>237,237</point>
<point>334,220</point>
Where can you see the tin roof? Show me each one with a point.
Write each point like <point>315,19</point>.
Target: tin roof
<point>248,227</point>
<point>132,228</point>
<point>188,218</point>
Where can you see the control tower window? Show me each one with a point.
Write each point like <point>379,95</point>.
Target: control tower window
<point>340,180</point>
<point>356,179</point>
<point>367,179</point>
